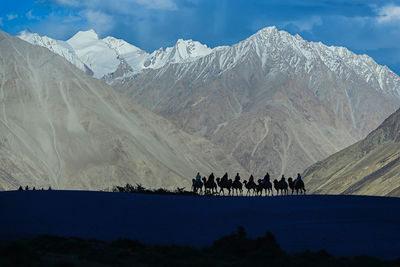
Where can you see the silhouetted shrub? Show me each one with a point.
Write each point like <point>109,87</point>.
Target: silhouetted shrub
<point>239,245</point>
<point>128,188</point>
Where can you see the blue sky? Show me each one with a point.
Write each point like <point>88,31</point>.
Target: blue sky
<point>363,26</point>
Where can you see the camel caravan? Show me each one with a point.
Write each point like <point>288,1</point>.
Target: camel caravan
<point>220,186</point>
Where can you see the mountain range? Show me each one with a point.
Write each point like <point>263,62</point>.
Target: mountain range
<point>112,57</point>
<point>274,101</point>
<point>62,128</point>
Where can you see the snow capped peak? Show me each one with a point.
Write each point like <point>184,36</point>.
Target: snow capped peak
<point>183,51</point>
<point>105,56</point>
<point>26,32</point>
<point>94,52</point>
<point>122,47</point>
<point>267,30</point>
<point>59,47</point>
<point>190,48</point>
<point>84,36</point>
<point>33,38</point>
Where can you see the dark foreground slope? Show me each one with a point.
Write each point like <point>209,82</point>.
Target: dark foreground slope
<point>235,249</point>
<point>369,167</point>
<point>343,225</point>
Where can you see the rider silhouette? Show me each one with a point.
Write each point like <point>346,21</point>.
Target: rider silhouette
<point>266,178</point>
<point>237,178</point>
<point>297,179</point>
<point>198,177</point>
<point>224,178</point>
<point>251,179</point>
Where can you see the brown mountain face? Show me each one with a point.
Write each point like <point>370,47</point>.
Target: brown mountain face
<point>275,102</point>
<point>369,167</point>
<point>61,128</point>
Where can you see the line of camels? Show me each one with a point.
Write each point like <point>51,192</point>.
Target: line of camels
<point>236,186</point>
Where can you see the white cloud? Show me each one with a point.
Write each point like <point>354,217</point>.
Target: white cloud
<point>306,24</point>
<point>30,15</point>
<point>99,21</point>
<point>12,16</point>
<point>388,14</point>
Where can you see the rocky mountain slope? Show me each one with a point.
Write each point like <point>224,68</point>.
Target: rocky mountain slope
<point>61,127</point>
<point>274,101</point>
<point>369,167</point>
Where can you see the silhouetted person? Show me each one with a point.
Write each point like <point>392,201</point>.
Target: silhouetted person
<point>26,188</point>
<point>210,183</point>
<point>237,177</point>
<point>224,178</point>
<point>297,179</point>
<point>33,188</point>
<point>237,185</point>
<point>49,187</point>
<point>198,177</point>
<point>266,178</point>
<point>20,188</point>
<point>251,179</point>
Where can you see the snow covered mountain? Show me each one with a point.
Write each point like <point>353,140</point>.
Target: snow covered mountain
<point>63,128</point>
<point>103,56</point>
<point>61,48</point>
<point>274,101</point>
<point>111,58</point>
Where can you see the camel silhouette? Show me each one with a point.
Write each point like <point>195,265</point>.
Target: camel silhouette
<point>281,186</point>
<point>268,188</point>
<point>197,185</point>
<point>229,186</point>
<point>297,185</point>
<point>210,187</point>
<point>224,183</point>
<point>264,185</point>
<point>259,188</point>
<point>251,187</point>
<point>237,186</point>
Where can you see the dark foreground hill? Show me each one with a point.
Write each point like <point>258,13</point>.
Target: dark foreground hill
<point>235,249</point>
<point>342,225</point>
